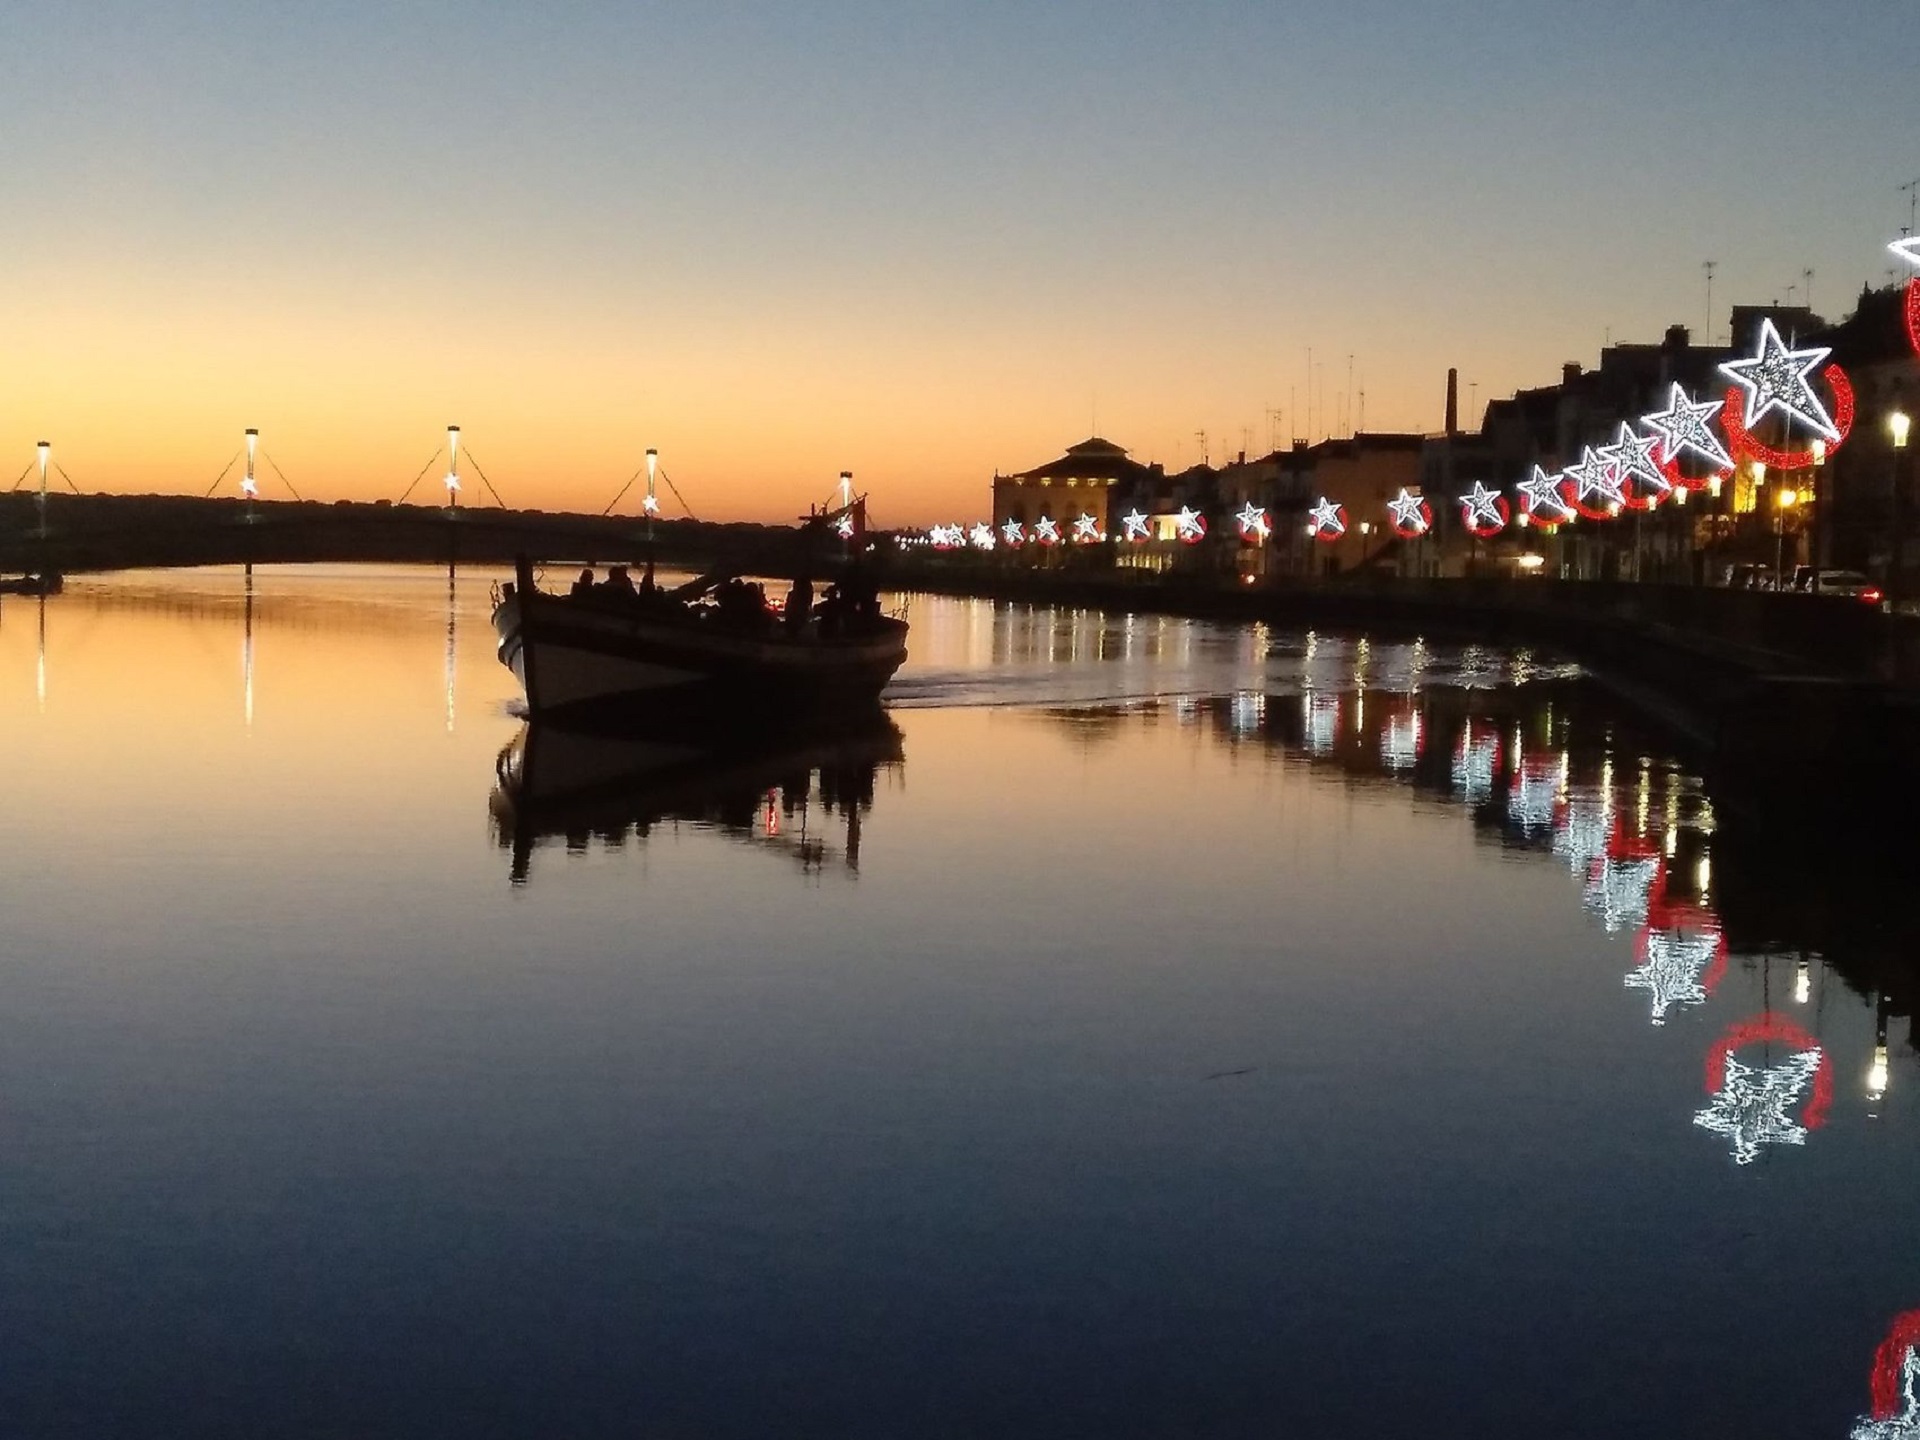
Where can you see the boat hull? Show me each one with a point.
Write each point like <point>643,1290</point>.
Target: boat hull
<point>585,659</point>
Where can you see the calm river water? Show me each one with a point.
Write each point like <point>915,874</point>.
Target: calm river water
<point>1174,1030</point>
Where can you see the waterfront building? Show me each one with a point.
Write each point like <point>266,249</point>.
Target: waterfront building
<point>1087,480</point>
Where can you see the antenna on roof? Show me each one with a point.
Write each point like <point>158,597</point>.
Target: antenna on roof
<point>1912,191</point>
<point>1709,266</point>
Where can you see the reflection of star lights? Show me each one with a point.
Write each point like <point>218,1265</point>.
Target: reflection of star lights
<point>1253,522</point>
<point>1580,836</point>
<point>1046,530</point>
<point>1631,457</point>
<point>1686,427</point>
<point>1249,709</point>
<point>1086,530</point>
<point>1326,519</point>
<point>1671,966</point>
<point>1776,379</point>
<point>1620,891</point>
<point>1136,524</point>
<point>1189,524</point>
<point>1400,741</point>
<point>1474,764</point>
<point>1896,1408</point>
<point>1751,1106</point>
<point>981,535</point>
<point>1531,797</point>
<point>1540,492</point>
<point>1323,722</point>
<point>1409,513</point>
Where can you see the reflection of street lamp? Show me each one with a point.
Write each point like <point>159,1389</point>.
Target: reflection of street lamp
<point>1877,1074</point>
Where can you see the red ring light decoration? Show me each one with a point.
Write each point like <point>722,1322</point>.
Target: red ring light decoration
<point>1048,537</point>
<point>1581,507</point>
<point>1670,468</point>
<point>1487,532</point>
<point>1913,313</point>
<point>1744,447</point>
<point>1890,1360</point>
<point>1772,1026</point>
<point>1328,537</point>
<point>1406,532</point>
<point>1197,534</point>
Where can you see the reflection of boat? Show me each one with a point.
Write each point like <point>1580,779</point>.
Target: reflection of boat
<point>48,582</point>
<point>653,654</point>
<point>576,786</point>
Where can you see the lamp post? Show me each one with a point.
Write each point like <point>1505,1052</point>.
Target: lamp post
<point>45,451</point>
<point>1898,424</point>
<point>1783,502</point>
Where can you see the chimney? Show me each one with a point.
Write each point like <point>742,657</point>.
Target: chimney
<point>1453,401</point>
<point>1569,372</point>
<point>1678,338</point>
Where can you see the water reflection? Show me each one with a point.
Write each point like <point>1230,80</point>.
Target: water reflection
<point>787,794</point>
<point>1896,1379</point>
<point>1752,1105</point>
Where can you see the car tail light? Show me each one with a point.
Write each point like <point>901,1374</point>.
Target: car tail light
<point>1872,597</point>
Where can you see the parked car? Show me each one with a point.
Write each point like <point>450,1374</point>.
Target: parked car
<point>1748,577</point>
<point>1810,581</point>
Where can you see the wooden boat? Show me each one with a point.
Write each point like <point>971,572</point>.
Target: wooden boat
<point>47,583</point>
<point>657,657</point>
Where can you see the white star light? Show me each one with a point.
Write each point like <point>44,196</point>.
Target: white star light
<point>1751,1108</point>
<point>1086,530</point>
<point>1905,1424</point>
<point>249,487</point>
<point>981,535</point>
<point>453,483</point>
<point>843,527</point>
<point>1014,533</point>
<point>1480,508</point>
<point>1908,249</point>
<point>1776,379</point>
<point>1631,457</point>
<point>1409,512</point>
<point>1189,524</point>
<point>1540,493</point>
<point>1685,426</point>
<point>1594,476</point>
<point>1253,522</point>
<point>1136,524</point>
<point>1621,891</point>
<point>651,505</point>
<point>1325,518</point>
<point>1046,530</point>
<point>1671,969</point>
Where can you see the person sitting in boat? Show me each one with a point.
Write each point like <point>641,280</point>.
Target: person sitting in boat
<point>799,604</point>
<point>647,587</point>
<point>583,585</point>
<point>618,582</point>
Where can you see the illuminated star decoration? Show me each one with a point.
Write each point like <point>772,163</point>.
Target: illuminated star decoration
<point>982,536</point>
<point>843,527</point>
<point>1484,512</point>
<point>453,483</point>
<point>1326,521</point>
<point>1776,379</point>
<point>1896,1371</point>
<point>1046,530</point>
<point>1136,524</point>
<point>1411,516</point>
<point>1686,428</point>
<point>1190,525</point>
<point>1907,249</point>
<point>946,537</point>
<point>1541,499</point>
<point>650,505</point>
<point>1751,1106</point>
<point>1253,524</point>
<point>1086,531</point>
<point>249,487</point>
<point>1633,462</point>
<point>1674,968</point>
<point>1014,533</point>
<point>1593,478</point>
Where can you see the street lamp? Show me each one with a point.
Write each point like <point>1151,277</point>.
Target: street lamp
<point>1783,502</point>
<point>1898,424</point>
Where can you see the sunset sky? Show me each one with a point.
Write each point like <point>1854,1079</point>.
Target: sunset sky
<point>918,240</point>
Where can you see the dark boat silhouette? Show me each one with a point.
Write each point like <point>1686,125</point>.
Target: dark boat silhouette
<point>655,656</point>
